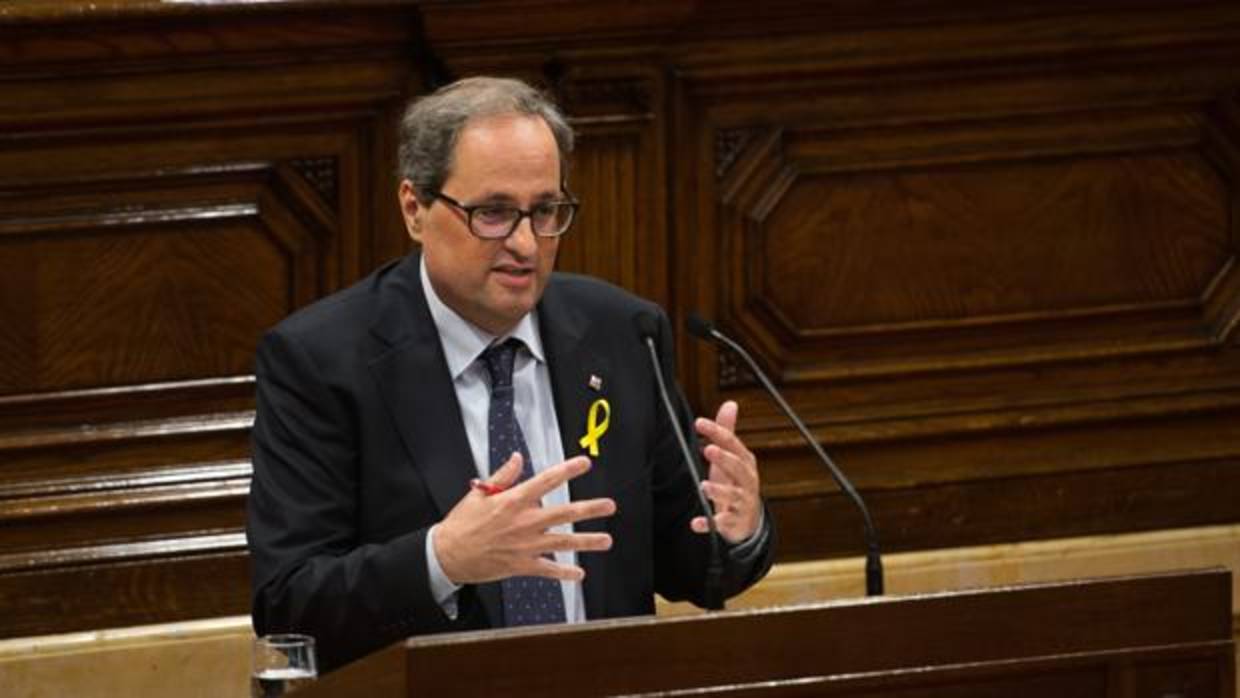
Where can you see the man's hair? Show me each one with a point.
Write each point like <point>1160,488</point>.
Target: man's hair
<point>432,125</point>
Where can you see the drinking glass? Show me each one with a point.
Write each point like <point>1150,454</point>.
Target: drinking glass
<point>281,663</point>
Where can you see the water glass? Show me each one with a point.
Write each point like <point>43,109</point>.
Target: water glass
<point>281,663</point>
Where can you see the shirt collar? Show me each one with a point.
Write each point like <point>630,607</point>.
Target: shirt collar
<point>463,342</point>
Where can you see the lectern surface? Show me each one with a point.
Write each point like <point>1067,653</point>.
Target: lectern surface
<point>1161,635</point>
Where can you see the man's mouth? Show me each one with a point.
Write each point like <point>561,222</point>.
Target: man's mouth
<point>514,270</point>
<point>514,276</point>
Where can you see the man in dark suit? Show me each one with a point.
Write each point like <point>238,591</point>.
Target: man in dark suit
<point>472,360</point>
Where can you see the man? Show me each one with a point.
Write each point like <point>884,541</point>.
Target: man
<point>471,360</point>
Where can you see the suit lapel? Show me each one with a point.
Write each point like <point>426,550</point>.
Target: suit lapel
<point>571,365</point>
<point>412,376</point>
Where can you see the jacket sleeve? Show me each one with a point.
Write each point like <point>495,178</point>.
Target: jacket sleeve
<point>680,555</point>
<point>310,572</point>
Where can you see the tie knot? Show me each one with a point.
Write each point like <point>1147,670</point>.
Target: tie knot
<point>499,359</point>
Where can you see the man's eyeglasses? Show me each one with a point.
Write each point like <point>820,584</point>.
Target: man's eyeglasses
<point>497,221</point>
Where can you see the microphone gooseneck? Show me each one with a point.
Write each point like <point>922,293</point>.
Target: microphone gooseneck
<point>647,329</point>
<point>703,329</point>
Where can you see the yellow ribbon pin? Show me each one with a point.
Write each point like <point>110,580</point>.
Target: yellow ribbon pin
<point>595,430</point>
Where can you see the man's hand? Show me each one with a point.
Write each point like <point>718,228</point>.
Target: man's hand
<point>733,482</point>
<point>485,538</point>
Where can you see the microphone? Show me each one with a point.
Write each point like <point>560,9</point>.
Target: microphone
<point>703,329</point>
<point>647,329</point>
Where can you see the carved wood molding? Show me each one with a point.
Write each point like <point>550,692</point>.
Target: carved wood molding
<point>607,99</point>
<point>38,412</point>
<point>182,578</point>
<point>176,231</point>
<point>321,173</point>
<point>733,373</point>
<point>205,544</point>
<point>729,144</point>
<point>111,481</point>
<point>758,188</point>
<point>987,511</point>
<point>63,488</point>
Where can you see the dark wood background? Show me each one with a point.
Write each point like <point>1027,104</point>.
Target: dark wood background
<point>988,249</point>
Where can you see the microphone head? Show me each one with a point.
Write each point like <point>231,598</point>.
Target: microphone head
<point>698,327</point>
<point>646,324</point>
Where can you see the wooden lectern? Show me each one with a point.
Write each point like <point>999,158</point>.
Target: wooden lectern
<point>1158,636</point>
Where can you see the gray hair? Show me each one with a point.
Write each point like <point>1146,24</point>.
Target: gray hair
<point>432,124</point>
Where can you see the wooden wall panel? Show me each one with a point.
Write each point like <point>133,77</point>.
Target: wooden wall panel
<point>618,174</point>
<point>72,593</point>
<point>992,243</point>
<point>172,182</point>
<point>603,240</point>
<point>1030,259</point>
<point>176,288</point>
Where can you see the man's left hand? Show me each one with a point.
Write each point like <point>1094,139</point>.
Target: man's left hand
<point>732,483</point>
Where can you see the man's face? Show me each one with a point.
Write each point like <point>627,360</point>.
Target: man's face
<point>509,159</point>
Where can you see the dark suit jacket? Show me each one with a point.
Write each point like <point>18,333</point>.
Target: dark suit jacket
<point>359,447</point>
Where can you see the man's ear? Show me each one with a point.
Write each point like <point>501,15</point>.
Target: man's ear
<point>411,210</point>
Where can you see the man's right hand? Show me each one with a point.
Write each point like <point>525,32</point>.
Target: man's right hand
<point>485,538</point>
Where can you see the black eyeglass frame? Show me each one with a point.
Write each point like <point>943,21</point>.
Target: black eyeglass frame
<point>522,214</point>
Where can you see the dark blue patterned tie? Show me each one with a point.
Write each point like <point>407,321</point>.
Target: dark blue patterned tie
<point>527,600</point>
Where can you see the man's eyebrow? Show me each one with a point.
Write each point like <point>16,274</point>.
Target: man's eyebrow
<point>560,194</point>
<point>492,198</point>
<point>508,199</point>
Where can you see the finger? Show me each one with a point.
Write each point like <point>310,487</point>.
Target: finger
<point>726,417</point>
<point>579,542</point>
<point>543,567</point>
<point>734,469</point>
<point>507,474</point>
<point>723,465</point>
<point>549,479</point>
<point>728,525</point>
<point>724,439</point>
<point>725,497</point>
<point>718,435</point>
<point>573,512</point>
<point>699,525</point>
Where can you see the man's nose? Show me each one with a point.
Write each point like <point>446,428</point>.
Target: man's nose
<point>523,240</point>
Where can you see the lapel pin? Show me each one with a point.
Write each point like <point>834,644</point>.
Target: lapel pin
<point>596,383</point>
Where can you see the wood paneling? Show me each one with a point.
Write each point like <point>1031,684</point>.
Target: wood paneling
<point>989,250</point>
<point>193,577</point>
<point>998,279</point>
<point>173,181</point>
<point>977,243</point>
<point>618,174</point>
